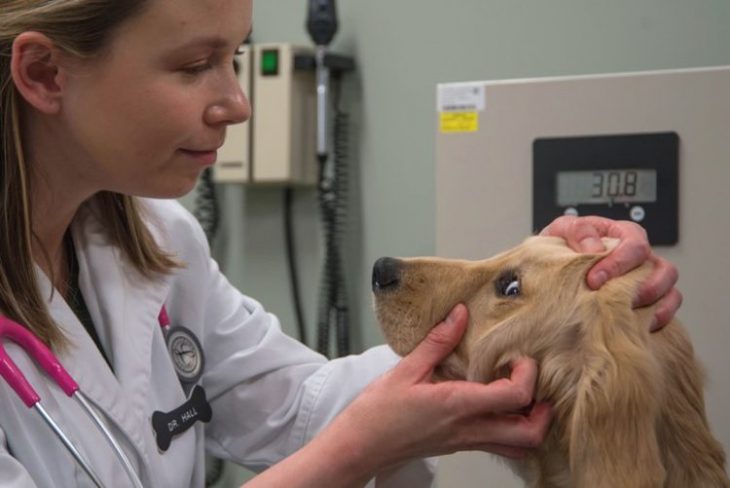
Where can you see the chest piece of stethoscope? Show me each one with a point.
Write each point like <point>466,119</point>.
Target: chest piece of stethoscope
<point>189,363</point>
<point>186,353</point>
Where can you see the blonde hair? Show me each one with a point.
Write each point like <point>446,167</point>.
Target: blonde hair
<point>83,28</point>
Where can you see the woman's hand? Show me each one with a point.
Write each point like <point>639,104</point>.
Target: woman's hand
<point>405,415</point>
<point>584,234</point>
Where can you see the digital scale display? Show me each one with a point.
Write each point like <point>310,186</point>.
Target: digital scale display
<point>606,186</point>
<point>622,177</point>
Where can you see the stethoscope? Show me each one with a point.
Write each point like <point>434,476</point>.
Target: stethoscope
<point>42,355</point>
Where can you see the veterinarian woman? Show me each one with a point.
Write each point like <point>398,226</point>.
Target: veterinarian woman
<point>108,108</point>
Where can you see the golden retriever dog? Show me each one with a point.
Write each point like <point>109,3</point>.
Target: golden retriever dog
<point>628,404</point>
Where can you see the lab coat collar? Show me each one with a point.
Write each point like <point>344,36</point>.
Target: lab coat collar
<point>124,306</point>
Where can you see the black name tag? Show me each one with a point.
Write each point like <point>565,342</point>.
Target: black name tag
<point>169,425</point>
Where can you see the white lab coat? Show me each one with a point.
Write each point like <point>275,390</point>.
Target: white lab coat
<point>269,394</point>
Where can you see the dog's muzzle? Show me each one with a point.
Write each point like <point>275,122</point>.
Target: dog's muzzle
<point>386,274</point>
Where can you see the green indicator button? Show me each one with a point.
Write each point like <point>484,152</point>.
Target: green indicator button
<point>270,62</point>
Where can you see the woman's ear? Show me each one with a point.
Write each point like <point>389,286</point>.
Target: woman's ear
<point>35,71</point>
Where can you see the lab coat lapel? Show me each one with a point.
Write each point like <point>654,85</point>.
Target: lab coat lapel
<point>87,366</point>
<point>124,307</point>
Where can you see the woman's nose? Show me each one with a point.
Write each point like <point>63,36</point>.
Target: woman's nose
<point>241,108</point>
<point>233,107</point>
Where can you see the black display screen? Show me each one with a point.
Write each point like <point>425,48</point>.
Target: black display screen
<point>623,177</point>
<point>606,186</point>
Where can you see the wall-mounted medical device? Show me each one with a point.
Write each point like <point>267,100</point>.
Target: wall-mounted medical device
<point>278,144</point>
<point>297,136</point>
<point>624,177</point>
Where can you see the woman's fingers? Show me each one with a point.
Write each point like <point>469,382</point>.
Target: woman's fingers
<point>666,309</point>
<point>633,250</point>
<point>513,433</point>
<point>580,234</point>
<point>629,254</point>
<point>464,414</point>
<point>661,280</point>
<point>513,394</point>
<point>525,431</point>
<point>438,344</point>
<point>583,234</point>
<point>659,288</point>
<point>510,394</point>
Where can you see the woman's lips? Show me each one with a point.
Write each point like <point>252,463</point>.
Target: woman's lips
<point>205,158</point>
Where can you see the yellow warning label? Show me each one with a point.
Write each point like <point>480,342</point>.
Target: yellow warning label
<point>452,122</point>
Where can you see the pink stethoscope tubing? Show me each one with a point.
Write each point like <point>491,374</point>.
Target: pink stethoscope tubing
<point>48,361</point>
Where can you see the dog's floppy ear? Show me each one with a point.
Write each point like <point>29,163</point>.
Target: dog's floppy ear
<point>492,354</point>
<point>612,429</point>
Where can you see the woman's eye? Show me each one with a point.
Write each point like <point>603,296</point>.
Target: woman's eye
<point>512,289</point>
<point>197,68</point>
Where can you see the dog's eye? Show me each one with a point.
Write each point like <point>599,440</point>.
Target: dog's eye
<point>508,284</point>
<point>512,289</point>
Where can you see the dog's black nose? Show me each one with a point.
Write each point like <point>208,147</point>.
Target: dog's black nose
<point>386,274</point>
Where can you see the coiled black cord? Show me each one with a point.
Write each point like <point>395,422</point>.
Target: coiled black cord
<point>341,149</point>
<point>333,194</point>
<point>206,210</point>
<point>292,263</point>
<point>206,205</point>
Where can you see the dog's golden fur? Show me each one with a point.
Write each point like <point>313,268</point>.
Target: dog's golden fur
<point>628,405</point>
